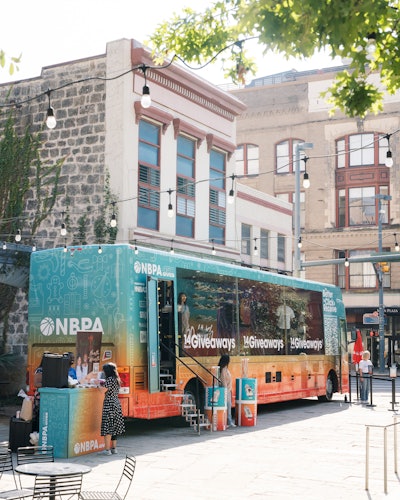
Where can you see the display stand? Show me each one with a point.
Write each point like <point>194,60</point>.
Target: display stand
<point>246,401</point>
<point>70,420</point>
<point>215,407</point>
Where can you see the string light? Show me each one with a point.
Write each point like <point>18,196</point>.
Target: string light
<point>255,251</point>
<point>346,262</point>
<point>306,179</point>
<point>50,118</point>
<point>389,158</point>
<point>396,245</point>
<point>136,249</point>
<point>213,247</point>
<point>300,243</point>
<point>18,236</point>
<point>146,99</point>
<point>113,222</point>
<point>100,250</point>
<point>231,196</point>
<point>170,207</point>
<point>4,245</point>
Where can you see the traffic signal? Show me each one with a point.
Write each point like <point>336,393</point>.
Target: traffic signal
<point>385,267</point>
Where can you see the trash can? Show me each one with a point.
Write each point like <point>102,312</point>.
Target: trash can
<point>246,401</point>
<point>19,433</point>
<point>215,407</point>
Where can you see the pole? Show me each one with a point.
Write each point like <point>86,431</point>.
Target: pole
<point>299,147</point>
<point>380,282</point>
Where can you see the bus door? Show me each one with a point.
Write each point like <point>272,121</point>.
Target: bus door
<point>153,348</point>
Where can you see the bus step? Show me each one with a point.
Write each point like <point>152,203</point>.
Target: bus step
<point>167,387</point>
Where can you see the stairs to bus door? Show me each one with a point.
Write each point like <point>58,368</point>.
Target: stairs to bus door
<point>189,410</point>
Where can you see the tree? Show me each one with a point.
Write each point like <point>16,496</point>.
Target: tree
<point>362,32</point>
<point>23,176</point>
<point>12,62</point>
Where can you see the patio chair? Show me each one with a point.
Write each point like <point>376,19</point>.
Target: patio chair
<point>57,486</point>
<point>122,488</point>
<point>30,454</point>
<point>6,465</point>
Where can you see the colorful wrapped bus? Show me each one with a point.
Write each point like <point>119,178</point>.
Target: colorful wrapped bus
<point>288,333</point>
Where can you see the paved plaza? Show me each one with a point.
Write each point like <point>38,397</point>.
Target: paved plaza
<point>303,449</point>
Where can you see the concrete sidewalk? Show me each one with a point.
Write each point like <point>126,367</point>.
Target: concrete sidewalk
<point>303,449</point>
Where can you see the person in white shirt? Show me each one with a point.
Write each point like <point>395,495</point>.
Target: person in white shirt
<point>365,368</point>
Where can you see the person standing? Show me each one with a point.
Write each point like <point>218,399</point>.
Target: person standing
<point>226,381</point>
<point>112,420</point>
<point>365,368</point>
<point>184,313</point>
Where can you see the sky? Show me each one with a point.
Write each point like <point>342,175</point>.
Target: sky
<point>48,32</point>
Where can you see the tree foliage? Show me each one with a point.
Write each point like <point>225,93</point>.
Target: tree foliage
<point>23,176</point>
<point>11,63</point>
<point>362,32</point>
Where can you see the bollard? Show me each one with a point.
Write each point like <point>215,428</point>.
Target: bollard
<point>393,394</point>
<point>370,392</point>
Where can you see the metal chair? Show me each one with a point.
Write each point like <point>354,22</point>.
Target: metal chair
<point>6,465</point>
<point>57,486</point>
<point>122,488</point>
<point>29,454</point>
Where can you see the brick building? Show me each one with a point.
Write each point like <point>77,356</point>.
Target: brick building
<point>339,212</point>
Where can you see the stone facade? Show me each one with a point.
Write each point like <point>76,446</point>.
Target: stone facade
<point>97,107</point>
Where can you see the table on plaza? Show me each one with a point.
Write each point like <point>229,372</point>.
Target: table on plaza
<point>52,470</point>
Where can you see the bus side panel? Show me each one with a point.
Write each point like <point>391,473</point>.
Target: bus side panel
<point>79,290</point>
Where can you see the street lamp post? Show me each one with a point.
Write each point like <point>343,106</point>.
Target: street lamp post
<point>379,273</point>
<point>298,147</point>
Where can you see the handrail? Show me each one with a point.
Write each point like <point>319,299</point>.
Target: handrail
<point>385,428</point>
<point>216,380</point>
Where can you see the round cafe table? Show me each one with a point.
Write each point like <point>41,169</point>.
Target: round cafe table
<point>52,470</point>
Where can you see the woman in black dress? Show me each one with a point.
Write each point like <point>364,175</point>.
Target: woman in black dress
<point>112,421</point>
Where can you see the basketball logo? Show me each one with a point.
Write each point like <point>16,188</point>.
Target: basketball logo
<point>47,326</point>
<point>137,267</point>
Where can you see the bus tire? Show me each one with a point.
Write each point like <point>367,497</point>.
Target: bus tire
<point>329,389</point>
<point>191,395</point>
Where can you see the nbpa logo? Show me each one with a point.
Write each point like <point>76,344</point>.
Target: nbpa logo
<point>68,326</point>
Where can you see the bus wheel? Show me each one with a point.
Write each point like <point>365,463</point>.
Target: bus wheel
<point>194,396</point>
<point>329,387</point>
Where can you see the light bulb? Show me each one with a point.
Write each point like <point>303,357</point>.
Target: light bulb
<point>33,248</point>
<point>306,181</point>
<point>63,230</point>
<point>170,210</point>
<point>113,222</point>
<point>4,245</point>
<point>389,159</point>
<point>346,262</point>
<point>146,99</point>
<point>255,253</point>
<point>18,236</point>
<point>100,250</point>
<point>300,243</point>
<point>231,197</point>
<point>51,119</point>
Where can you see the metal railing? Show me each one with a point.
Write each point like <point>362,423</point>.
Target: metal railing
<point>385,451</point>
<point>392,380</point>
<point>215,380</point>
